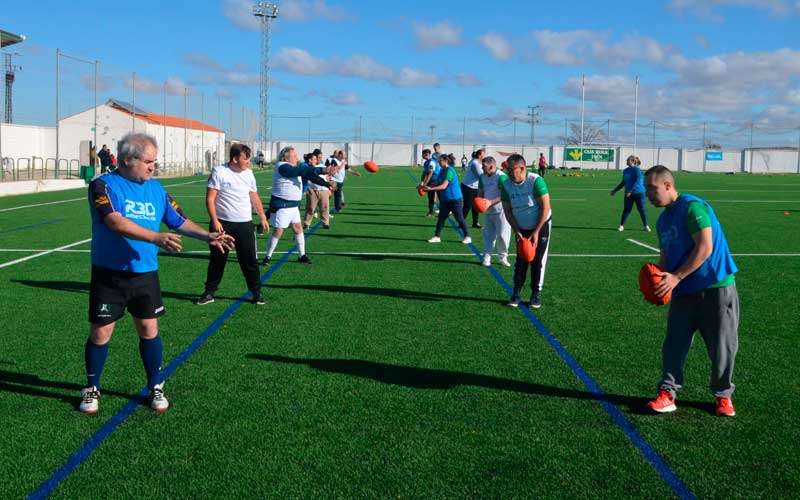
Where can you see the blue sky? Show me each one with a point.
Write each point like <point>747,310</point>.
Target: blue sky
<point>723,61</point>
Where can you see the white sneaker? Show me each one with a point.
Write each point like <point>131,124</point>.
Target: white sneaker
<point>647,228</point>
<point>90,400</point>
<point>504,261</point>
<point>435,239</point>
<point>487,260</point>
<point>158,402</point>
<point>437,211</point>
<point>621,228</point>
<point>466,240</point>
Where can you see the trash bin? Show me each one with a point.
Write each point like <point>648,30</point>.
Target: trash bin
<point>87,173</point>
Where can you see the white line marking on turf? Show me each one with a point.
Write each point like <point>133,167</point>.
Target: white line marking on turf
<point>645,245</point>
<point>40,254</point>
<point>81,198</point>
<point>412,254</point>
<point>41,204</point>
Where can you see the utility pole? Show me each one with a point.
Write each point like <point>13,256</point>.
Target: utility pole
<point>432,129</point>
<point>515,131</point>
<point>463,135</point>
<point>413,139</point>
<point>533,116</point>
<point>266,12</point>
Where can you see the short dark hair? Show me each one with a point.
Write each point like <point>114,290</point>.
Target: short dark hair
<point>238,149</point>
<point>659,171</point>
<point>426,151</point>
<point>514,160</point>
<point>436,144</point>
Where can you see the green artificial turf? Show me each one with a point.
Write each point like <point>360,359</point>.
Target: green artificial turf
<point>391,367</point>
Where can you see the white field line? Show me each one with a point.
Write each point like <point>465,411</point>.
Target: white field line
<point>411,254</point>
<point>645,245</point>
<point>79,199</point>
<point>40,254</point>
<point>697,190</point>
<point>756,201</point>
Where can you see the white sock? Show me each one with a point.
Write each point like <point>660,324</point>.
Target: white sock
<point>301,243</point>
<point>273,243</point>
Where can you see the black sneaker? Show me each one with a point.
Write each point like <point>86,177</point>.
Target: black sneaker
<point>258,300</point>
<point>266,261</point>
<point>304,259</point>
<point>515,300</point>
<point>326,226</point>
<point>477,225</point>
<point>204,299</point>
<point>536,301</point>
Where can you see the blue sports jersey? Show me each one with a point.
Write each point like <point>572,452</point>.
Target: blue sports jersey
<point>633,179</point>
<point>453,190</point>
<point>432,165</point>
<point>676,243</point>
<point>145,203</point>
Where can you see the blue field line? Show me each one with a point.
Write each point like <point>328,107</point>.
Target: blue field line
<point>620,420</point>
<point>30,226</point>
<point>91,444</point>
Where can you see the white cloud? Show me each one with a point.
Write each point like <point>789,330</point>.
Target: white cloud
<point>346,99</point>
<point>202,60</point>
<point>709,9</point>
<point>174,85</point>
<point>315,10</point>
<point>793,96</point>
<point>104,82</point>
<point>301,62</point>
<point>240,12</point>
<point>430,36</point>
<point>570,48</point>
<point>497,45</point>
<point>466,80</point>
<point>410,77</point>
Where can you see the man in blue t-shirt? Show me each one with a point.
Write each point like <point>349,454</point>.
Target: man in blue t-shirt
<point>700,272</point>
<point>127,208</point>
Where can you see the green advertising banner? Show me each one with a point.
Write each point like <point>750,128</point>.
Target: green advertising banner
<point>588,154</point>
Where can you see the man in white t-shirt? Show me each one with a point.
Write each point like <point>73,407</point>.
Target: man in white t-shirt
<point>338,160</point>
<point>231,197</point>
<point>317,196</point>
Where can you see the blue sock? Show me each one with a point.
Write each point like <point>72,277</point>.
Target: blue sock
<point>95,357</point>
<point>151,351</point>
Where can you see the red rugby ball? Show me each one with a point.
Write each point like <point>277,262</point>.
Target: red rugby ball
<point>371,166</point>
<point>649,277</point>
<point>526,250</point>
<point>420,191</point>
<point>481,205</point>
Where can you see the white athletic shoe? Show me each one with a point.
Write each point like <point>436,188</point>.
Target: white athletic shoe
<point>647,228</point>
<point>487,260</point>
<point>158,402</point>
<point>90,400</point>
<point>466,240</point>
<point>621,228</point>
<point>435,239</point>
<point>504,261</point>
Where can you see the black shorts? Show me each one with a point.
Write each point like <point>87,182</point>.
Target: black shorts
<point>111,292</point>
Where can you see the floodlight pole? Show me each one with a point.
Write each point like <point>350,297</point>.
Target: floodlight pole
<point>636,115</point>
<point>164,126</point>
<point>58,114</point>
<point>133,103</point>
<point>266,12</point>
<point>95,105</point>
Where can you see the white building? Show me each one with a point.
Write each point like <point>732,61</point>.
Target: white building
<point>182,143</point>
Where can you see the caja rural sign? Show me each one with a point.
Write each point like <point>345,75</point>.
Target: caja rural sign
<point>588,154</point>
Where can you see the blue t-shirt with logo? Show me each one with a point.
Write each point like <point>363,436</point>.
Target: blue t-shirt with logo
<point>144,203</point>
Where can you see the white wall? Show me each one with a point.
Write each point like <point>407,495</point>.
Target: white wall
<point>25,141</point>
<point>772,161</point>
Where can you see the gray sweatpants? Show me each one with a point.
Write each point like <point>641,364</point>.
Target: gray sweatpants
<point>715,312</point>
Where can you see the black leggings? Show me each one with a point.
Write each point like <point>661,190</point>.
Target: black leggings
<point>455,207</point>
<point>469,195</point>
<point>637,198</point>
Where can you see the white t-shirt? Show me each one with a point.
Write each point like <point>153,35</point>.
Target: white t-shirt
<point>339,175</point>
<point>473,174</point>
<point>317,187</point>
<point>491,189</point>
<point>233,197</point>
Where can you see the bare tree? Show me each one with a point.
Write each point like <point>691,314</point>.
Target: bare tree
<point>591,135</point>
